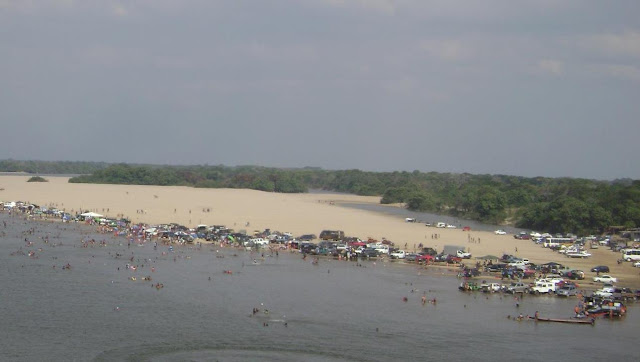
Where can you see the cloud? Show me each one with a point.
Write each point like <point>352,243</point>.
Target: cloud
<point>622,71</point>
<point>446,49</point>
<point>381,6</point>
<point>626,44</point>
<point>30,5</point>
<point>119,10</point>
<point>555,67</point>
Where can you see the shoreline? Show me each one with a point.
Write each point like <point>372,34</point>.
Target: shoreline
<point>249,211</point>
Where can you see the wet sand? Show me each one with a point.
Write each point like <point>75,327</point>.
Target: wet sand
<point>299,214</point>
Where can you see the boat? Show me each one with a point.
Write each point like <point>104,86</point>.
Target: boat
<point>568,320</point>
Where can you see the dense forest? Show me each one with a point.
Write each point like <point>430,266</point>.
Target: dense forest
<point>53,168</point>
<point>545,204</point>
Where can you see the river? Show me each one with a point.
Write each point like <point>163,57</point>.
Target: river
<point>332,311</point>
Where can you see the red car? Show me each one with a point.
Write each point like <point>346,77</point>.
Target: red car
<point>426,258</point>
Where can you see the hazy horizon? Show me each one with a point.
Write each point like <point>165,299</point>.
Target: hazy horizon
<point>286,168</point>
<point>530,88</point>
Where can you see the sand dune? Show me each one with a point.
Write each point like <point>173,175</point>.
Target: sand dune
<point>251,210</point>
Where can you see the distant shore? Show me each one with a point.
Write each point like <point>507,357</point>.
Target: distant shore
<point>250,210</point>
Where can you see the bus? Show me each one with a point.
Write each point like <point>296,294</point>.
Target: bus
<point>332,235</point>
<point>557,242</point>
<point>631,254</point>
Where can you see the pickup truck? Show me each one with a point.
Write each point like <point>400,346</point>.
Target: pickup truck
<point>491,287</point>
<point>519,262</point>
<point>517,288</point>
<point>382,249</point>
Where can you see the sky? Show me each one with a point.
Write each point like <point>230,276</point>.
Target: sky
<point>530,88</point>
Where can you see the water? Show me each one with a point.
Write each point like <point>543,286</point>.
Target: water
<point>429,217</point>
<point>334,311</point>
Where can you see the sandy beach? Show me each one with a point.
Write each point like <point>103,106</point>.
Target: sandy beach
<point>298,214</point>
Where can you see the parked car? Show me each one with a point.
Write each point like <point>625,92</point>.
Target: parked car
<point>519,263</point>
<point>600,269</point>
<point>441,257</point>
<point>306,248</point>
<point>517,288</point>
<point>452,259</point>
<point>508,258</point>
<point>491,287</point>
<point>398,254</point>
<point>637,264</point>
<point>369,253</point>
<point>567,291</point>
<point>424,258</point>
<point>493,268</point>
<point>468,273</point>
<point>500,232</point>
<point>605,279</point>
<point>543,287</point>
<point>575,274</point>
<point>463,254</point>
<point>522,236</point>
<point>429,250</point>
<point>410,257</point>
<point>608,292</point>
<point>629,294</point>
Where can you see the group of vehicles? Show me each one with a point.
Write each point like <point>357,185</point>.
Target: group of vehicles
<point>554,278</point>
<point>550,286</point>
<point>380,249</point>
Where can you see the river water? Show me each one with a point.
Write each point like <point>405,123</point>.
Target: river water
<point>425,217</point>
<point>333,311</point>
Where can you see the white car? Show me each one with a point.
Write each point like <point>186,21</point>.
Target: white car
<point>607,292</point>
<point>637,264</point>
<point>605,278</point>
<point>500,232</point>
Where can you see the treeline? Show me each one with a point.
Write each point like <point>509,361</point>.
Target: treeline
<point>241,177</point>
<point>52,167</point>
<point>545,204</point>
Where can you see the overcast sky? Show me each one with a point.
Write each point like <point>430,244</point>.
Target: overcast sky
<point>530,88</point>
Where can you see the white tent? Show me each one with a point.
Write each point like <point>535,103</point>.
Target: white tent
<point>91,214</point>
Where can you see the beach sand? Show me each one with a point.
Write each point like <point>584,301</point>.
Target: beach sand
<point>249,210</point>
